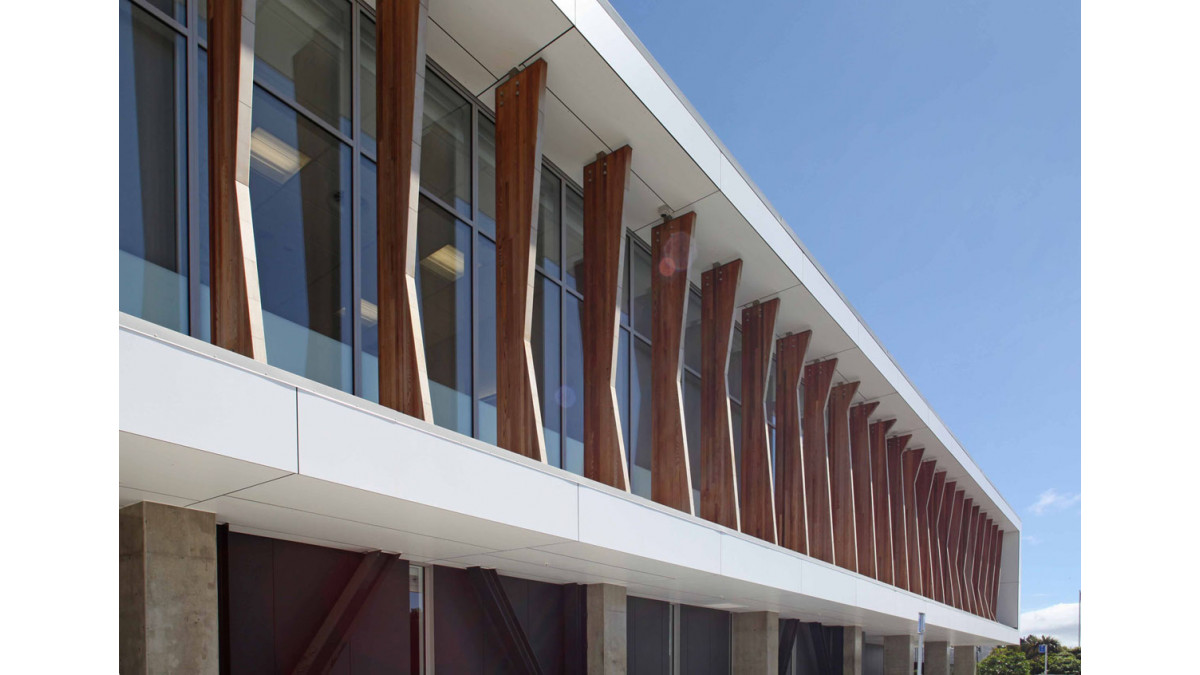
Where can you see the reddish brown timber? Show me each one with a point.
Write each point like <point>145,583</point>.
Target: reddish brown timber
<point>977,561</point>
<point>789,458</point>
<point>864,513</point>
<point>954,548</point>
<point>403,379</point>
<point>604,184</point>
<point>896,497</point>
<point>671,256</point>
<point>758,486</point>
<point>911,463</point>
<point>880,493</point>
<point>922,490</point>
<point>985,567</point>
<point>994,590</point>
<point>331,637</point>
<point>945,513</point>
<point>972,515</point>
<point>841,477</point>
<point>817,380</point>
<point>519,122</point>
<point>935,541</point>
<point>718,467</point>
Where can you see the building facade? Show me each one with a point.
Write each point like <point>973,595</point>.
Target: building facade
<point>452,340</point>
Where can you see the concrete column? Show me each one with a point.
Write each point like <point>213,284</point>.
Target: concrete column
<point>852,650</point>
<point>168,590</point>
<point>964,660</point>
<point>898,655</point>
<point>756,643</point>
<point>937,658</point>
<point>606,629</point>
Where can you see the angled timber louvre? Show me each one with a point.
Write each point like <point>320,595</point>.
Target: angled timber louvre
<point>970,515</point>
<point>790,507</point>
<point>977,559</point>
<point>403,379</point>
<point>954,550</point>
<point>910,465</point>
<point>864,513</point>
<point>994,590</point>
<point>923,488</point>
<point>880,494</point>
<point>934,508</point>
<point>236,307</point>
<point>671,259</point>
<point>841,477</point>
<point>604,183</point>
<point>718,469</point>
<point>817,380</point>
<point>945,515</point>
<point>896,498</point>
<point>985,567</point>
<point>758,499</point>
<point>519,121</point>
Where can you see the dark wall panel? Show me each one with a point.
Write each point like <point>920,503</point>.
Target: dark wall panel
<point>280,592</point>
<point>704,641</point>
<point>648,637</point>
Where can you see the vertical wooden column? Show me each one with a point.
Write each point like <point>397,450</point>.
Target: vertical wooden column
<point>977,561</point>
<point>922,489</point>
<point>817,380</point>
<point>671,254</point>
<point>882,502</point>
<point>864,513</point>
<point>790,507</point>
<point>519,122</point>
<point>931,523</point>
<point>604,184</point>
<point>758,485</point>
<point>718,466</point>
<point>953,548</point>
<point>896,499</point>
<point>403,379</point>
<point>971,515</point>
<point>994,589</point>
<point>236,305</point>
<point>910,465</point>
<point>841,477</point>
<point>985,552</point>
<point>945,511</point>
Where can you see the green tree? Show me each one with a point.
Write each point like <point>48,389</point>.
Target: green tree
<point>1064,663</point>
<point>1030,643</point>
<point>1007,660</point>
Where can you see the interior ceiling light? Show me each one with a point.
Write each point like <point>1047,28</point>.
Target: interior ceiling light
<point>274,158</point>
<point>446,262</point>
<point>370,312</point>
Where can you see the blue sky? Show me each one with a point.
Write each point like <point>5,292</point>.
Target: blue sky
<point>927,154</point>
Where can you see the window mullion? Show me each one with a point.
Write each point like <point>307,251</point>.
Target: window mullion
<point>193,168</point>
<point>356,242</point>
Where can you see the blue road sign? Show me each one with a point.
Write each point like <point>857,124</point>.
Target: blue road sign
<point>1041,649</point>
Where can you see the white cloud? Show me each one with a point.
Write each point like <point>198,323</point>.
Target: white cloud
<point>1051,500</point>
<point>1060,621</point>
<point>1031,540</point>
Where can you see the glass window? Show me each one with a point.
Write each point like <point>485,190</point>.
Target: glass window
<point>573,240</point>
<point>691,422</point>
<point>623,390</point>
<point>486,217</point>
<point>547,362</point>
<point>769,403</point>
<point>639,458</point>
<point>735,419</point>
<point>300,198</point>
<point>626,275</point>
<point>176,9</point>
<point>549,222</point>
<point>446,145</point>
<point>691,335</point>
<point>301,50</point>
<point>202,204</point>
<point>571,393</point>
<point>369,304</point>
<point>734,380</point>
<point>640,258</point>
<point>366,81</point>
<point>153,170</point>
<point>444,290</point>
<point>485,337</point>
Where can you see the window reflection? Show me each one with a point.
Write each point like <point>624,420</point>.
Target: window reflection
<point>639,458</point>
<point>369,304</point>
<point>301,50</point>
<point>153,170</point>
<point>300,199</point>
<point>444,289</point>
<point>571,393</point>
<point>691,416</point>
<point>623,391</point>
<point>549,222</point>
<point>547,363</point>
<point>485,337</point>
<point>366,80</point>
<point>486,217</point>
<point>446,145</point>
<point>641,289</point>
<point>734,377</point>
<point>573,240</point>
<point>691,335</point>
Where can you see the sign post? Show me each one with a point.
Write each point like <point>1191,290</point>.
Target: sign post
<point>921,643</point>
<point>1045,658</point>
